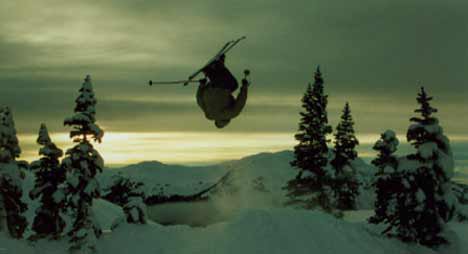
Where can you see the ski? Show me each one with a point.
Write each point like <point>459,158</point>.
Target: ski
<point>234,43</point>
<point>220,52</point>
<point>226,48</point>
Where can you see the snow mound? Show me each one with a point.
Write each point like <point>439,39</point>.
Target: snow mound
<point>252,231</point>
<point>107,214</point>
<point>255,181</point>
<point>258,231</point>
<point>257,175</point>
<point>258,181</point>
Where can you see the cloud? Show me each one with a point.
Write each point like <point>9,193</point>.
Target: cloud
<point>372,54</point>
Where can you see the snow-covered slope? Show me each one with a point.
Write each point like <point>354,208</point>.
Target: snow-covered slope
<point>259,181</point>
<point>249,194</point>
<point>264,172</point>
<point>107,214</point>
<point>255,181</point>
<point>252,182</point>
<point>253,231</point>
<point>260,231</point>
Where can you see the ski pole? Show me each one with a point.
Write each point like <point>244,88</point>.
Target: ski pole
<point>151,82</point>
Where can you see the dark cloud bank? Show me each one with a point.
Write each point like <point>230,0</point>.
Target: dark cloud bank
<point>372,52</point>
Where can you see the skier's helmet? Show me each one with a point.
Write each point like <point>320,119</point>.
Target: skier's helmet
<point>222,123</point>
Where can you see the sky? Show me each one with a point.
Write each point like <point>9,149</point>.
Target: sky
<point>373,53</point>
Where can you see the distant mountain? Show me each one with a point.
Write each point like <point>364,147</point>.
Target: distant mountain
<point>167,180</point>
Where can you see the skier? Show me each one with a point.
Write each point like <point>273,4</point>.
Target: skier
<point>214,96</point>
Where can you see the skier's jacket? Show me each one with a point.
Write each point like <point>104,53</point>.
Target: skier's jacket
<point>218,103</point>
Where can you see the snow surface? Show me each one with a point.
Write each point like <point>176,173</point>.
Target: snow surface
<point>107,214</point>
<point>252,231</point>
<point>256,223</point>
<point>265,173</point>
<point>252,182</point>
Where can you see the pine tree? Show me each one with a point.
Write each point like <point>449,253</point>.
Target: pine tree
<point>387,163</point>
<point>345,184</point>
<point>49,175</point>
<point>386,146</point>
<point>82,163</point>
<point>311,154</point>
<point>425,201</point>
<point>11,177</point>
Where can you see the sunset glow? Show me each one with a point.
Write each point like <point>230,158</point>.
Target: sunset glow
<point>122,148</point>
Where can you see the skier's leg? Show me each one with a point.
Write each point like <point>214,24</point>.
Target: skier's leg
<point>230,81</point>
<point>221,77</point>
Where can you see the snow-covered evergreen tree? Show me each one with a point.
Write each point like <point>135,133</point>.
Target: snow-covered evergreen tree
<point>386,163</point>
<point>424,201</point>
<point>82,163</point>
<point>49,175</point>
<point>311,154</point>
<point>345,183</point>
<point>131,196</point>
<point>386,146</point>
<point>11,178</point>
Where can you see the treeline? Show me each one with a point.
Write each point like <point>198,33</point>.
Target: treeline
<point>414,192</point>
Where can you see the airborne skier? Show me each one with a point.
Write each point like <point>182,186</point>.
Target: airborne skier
<point>214,96</point>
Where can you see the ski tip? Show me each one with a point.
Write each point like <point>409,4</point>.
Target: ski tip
<point>240,39</point>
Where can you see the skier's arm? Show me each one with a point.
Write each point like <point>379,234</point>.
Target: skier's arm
<point>240,102</point>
